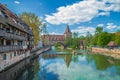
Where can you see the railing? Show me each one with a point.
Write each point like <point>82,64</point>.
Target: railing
<point>10,48</point>
<point>11,36</point>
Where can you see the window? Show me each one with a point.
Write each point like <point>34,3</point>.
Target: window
<point>15,54</point>
<point>1,26</point>
<point>8,42</point>
<point>1,42</point>
<point>10,55</point>
<point>2,14</point>
<point>8,29</point>
<point>4,57</point>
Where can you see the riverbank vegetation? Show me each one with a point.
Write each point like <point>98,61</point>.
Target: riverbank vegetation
<point>100,39</point>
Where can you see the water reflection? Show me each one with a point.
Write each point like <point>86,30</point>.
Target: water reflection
<point>76,67</point>
<point>102,62</point>
<point>55,65</point>
<point>67,57</point>
<point>36,68</point>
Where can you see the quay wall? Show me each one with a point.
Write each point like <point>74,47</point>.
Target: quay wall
<point>38,52</point>
<point>15,71</point>
<point>115,53</point>
<point>4,64</point>
<point>12,59</point>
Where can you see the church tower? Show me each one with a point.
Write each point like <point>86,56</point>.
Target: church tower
<point>67,33</point>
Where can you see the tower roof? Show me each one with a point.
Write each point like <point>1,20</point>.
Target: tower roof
<point>67,30</point>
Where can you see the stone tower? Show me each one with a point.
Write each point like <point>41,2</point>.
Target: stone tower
<point>67,33</point>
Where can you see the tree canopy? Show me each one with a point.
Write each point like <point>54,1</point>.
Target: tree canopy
<point>103,39</point>
<point>35,24</point>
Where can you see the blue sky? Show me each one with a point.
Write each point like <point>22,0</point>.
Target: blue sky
<point>80,15</point>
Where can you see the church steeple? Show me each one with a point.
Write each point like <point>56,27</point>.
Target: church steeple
<point>67,30</point>
<point>67,33</point>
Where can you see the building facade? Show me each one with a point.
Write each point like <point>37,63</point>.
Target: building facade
<point>51,39</point>
<point>16,38</point>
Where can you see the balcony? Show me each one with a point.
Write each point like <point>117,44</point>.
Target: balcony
<point>10,48</point>
<point>11,36</point>
<point>16,25</point>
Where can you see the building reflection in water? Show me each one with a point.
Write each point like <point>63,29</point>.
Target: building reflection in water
<point>67,57</point>
<point>13,72</point>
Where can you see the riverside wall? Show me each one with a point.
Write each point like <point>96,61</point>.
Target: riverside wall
<point>115,53</point>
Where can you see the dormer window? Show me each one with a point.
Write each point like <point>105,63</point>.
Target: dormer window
<point>2,14</point>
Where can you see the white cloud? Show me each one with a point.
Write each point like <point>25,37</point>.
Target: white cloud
<point>83,11</point>
<point>16,2</point>
<point>111,26</point>
<point>103,13</point>
<point>100,25</point>
<point>83,30</point>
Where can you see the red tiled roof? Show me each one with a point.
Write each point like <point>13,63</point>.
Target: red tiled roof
<point>112,43</point>
<point>55,37</point>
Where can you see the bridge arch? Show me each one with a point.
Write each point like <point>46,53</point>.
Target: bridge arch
<point>59,43</point>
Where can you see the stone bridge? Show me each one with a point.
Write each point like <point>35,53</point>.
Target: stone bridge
<point>52,39</point>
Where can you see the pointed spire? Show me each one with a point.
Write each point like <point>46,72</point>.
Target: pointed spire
<point>67,30</point>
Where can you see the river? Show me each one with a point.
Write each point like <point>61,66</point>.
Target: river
<point>63,65</point>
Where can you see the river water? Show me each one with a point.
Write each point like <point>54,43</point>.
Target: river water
<point>63,65</point>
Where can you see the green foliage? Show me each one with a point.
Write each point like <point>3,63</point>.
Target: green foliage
<point>100,38</point>
<point>118,30</point>
<point>117,39</point>
<point>44,29</point>
<point>103,39</point>
<point>81,37</point>
<point>75,34</point>
<point>72,43</point>
<point>95,40</point>
<point>88,39</point>
<point>98,30</point>
<point>57,44</point>
<point>34,22</point>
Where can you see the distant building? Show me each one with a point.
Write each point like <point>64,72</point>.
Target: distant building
<point>16,38</point>
<point>58,38</point>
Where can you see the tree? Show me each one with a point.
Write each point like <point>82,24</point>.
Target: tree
<point>97,33</point>
<point>88,39</point>
<point>103,39</point>
<point>44,29</point>
<point>98,30</point>
<point>118,30</point>
<point>75,34</point>
<point>117,39</point>
<point>35,24</point>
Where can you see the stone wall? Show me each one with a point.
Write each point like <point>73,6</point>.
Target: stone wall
<point>105,50</point>
<point>115,53</point>
<point>12,60</point>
